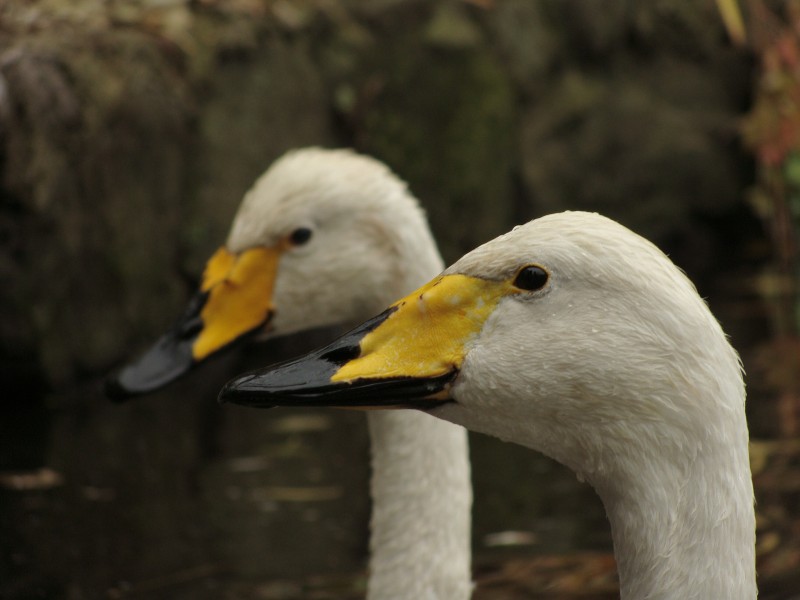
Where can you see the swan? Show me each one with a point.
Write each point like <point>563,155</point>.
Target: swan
<point>326,237</point>
<point>575,337</point>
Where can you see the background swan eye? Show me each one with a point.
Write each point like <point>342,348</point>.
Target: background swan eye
<point>531,278</point>
<point>300,236</point>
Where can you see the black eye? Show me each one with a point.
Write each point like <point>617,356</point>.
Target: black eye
<point>531,278</point>
<point>300,236</point>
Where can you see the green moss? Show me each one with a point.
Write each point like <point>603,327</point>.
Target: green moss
<point>444,120</point>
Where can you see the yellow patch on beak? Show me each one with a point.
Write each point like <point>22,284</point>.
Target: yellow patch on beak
<point>428,333</point>
<point>239,290</point>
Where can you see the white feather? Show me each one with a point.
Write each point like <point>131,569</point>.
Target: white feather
<point>370,245</point>
<point>618,369</point>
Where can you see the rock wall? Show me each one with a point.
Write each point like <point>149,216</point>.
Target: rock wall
<point>147,121</point>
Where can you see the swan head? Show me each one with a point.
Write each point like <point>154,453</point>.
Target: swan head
<point>323,237</point>
<point>570,334</point>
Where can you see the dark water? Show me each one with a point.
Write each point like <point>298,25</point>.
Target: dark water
<point>175,497</point>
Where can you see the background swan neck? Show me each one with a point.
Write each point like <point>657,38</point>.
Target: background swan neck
<point>422,500</point>
<point>420,543</point>
<point>417,254</point>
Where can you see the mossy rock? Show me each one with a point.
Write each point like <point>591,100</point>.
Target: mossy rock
<point>432,101</point>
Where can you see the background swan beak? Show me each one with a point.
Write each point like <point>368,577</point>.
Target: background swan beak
<point>234,302</point>
<point>405,357</point>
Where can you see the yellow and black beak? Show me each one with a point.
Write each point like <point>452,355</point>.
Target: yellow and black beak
<point>312,380</point>
<point>234,301</point>
<point>406,357</point>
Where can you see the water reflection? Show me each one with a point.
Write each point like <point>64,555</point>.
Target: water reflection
<point>174,496</point>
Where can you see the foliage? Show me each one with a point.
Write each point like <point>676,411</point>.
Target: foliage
<point>772,131</point>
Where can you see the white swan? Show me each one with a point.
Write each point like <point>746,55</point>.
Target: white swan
<point>578,338</point>
<point>325,237</point>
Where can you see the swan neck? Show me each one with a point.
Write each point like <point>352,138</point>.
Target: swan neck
<point>690,535</point>
<point>421,487</point>
<point>422,500</point>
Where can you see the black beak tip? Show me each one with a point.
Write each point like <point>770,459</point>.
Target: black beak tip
<point>227,393</point>
<point>115,391</point>
<point>241,391</point>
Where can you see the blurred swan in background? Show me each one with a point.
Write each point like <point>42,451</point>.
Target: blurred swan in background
<point>327,237</point>
<point>576,337</point>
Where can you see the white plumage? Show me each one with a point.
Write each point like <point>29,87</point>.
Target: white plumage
<point>618,370</point>
<point>576,337</point>
<point>370,244</point>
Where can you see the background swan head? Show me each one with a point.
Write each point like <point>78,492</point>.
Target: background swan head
<point>323,237</point>
<point>578,338</point>
<point>367,236</point>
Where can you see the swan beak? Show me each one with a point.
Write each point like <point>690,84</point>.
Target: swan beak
<point>234,300</point>
<point>406,357</point>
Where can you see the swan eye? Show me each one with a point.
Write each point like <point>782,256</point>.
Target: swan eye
<point>531,278</point>
<point>300,236</point>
